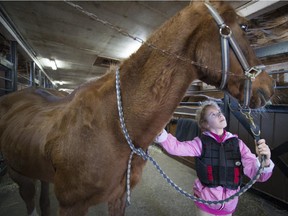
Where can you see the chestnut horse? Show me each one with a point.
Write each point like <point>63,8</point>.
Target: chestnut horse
<point>76,141</point>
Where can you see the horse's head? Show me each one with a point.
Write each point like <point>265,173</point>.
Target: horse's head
<point>240,73</point>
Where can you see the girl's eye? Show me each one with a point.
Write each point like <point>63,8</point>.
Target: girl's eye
<point>214,115</point>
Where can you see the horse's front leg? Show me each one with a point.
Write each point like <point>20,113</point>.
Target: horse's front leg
<point>44,199</point>
<point>27,190</point>
<point>116,207</point>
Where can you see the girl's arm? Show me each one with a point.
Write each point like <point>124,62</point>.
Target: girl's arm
<point>175,147</point>
<point>251,163</point>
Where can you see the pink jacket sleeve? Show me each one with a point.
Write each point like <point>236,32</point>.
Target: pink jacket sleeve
<point>251,164</point>
<point>175,147</point>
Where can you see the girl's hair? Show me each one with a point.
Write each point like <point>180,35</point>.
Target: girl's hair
<point>201,113</point>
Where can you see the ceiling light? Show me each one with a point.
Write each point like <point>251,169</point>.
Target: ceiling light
<point>63,82</point>
<point>53,64</point>
<point>254,6</point>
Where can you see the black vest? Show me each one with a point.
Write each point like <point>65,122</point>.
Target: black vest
<point>220,163</point>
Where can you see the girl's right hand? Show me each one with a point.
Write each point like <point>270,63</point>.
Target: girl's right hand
<point>263,149</point>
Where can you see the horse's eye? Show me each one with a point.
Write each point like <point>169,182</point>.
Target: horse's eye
<point>244,27</point>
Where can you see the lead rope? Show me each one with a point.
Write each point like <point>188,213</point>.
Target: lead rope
<point>145,156</point>
<point>255,130</point>
<point>137,151</point>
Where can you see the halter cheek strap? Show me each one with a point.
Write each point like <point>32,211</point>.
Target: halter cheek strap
<point>226,39</point>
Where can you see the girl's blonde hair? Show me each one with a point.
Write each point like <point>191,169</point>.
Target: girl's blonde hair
<point>201,113</point>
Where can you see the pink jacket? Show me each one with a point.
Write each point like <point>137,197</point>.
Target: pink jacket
<point>194,148</point>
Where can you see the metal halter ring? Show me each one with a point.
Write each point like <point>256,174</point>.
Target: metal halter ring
<point>225,31</point>
<point>253,72</point>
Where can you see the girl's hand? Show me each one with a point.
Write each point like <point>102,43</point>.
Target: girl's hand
<point>263,149</point>
<point>158,138</point>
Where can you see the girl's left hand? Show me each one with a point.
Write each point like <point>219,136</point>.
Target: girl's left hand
<point>263,149</point>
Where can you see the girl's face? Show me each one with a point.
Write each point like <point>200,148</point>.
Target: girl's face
<point>216,121</point>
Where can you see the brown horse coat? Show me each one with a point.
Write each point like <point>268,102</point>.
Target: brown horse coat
<point>76,142</point>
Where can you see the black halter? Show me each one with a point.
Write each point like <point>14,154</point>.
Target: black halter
<point>226,39</point>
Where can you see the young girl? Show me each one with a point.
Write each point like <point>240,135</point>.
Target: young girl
<point>221,160</point>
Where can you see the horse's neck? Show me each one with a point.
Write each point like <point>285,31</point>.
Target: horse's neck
<point>153,83</point>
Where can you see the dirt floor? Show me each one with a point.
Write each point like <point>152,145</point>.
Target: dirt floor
<point>153,196</point>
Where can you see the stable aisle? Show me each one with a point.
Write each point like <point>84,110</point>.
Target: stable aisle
<point>153,196</point>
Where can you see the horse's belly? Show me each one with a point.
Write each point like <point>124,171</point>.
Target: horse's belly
<point>28,160</point>
<point>32,168</point>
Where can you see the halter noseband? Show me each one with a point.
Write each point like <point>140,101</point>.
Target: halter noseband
<point>226,39</point>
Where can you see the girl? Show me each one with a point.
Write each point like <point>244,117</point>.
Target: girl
<point>221,160</point>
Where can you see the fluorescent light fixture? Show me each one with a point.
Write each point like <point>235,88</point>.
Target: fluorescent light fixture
<point>53,64</point>
<point>62,82</point>
<point>254,6</point>
<point>66,90</point>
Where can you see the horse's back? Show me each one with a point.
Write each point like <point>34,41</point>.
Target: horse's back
<point>51,95</point>
<point>30,97</point>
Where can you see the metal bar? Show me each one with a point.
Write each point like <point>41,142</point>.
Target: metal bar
<point>274,108</point>
<point>4,89</point>
<point>202,91</point>
<point>275,49</point>
<point>191,103</point>
<point>14,60</point>
<point>183,113</point>
<point>252,8</point>
<point>44,82</point>
<point>3,78</point>
<point>277,72</point>
<point>281,87</point>
<point>279,108</point>
<point>24,77</point>
<point>32,73</point>
<point>10,27</point>
<point>5,63</point>
<point>40,78</point>
<point>276,67</point>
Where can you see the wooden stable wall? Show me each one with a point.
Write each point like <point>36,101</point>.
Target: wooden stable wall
<point>273,123</point>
